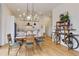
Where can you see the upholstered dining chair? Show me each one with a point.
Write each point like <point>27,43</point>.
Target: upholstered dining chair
<point>10,45</point>
<point>39,38</point>
<point>39,42</point>
<point>30,44</point>
<point>9,42</point>
<point>20,46</point>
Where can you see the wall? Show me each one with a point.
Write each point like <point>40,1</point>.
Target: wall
<point>0,24</point>
<point>44,20</point>
<point>6,24</point>
<point>73,10</point>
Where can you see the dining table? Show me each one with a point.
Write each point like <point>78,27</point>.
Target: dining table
<point>26,39</point>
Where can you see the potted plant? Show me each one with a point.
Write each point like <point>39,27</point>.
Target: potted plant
<point>64,18</point>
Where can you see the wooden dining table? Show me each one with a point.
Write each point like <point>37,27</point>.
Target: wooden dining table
<point>26,39</point>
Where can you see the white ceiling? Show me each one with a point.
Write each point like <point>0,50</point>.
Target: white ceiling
<point>44,8</point>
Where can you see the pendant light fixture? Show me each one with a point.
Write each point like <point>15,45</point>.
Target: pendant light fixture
<point>29,15</point>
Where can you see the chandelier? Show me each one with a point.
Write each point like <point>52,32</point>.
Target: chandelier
<point>29,15</point>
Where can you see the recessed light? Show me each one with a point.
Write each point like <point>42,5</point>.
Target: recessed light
<point>20,15</point>
<point>24,14</point>
<point>18,9</point>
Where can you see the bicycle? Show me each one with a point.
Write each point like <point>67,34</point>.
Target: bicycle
<point>68,40</point>
<point>71,41</point>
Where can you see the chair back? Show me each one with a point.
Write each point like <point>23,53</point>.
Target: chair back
<point>29,41</point>
<point>9,37</point>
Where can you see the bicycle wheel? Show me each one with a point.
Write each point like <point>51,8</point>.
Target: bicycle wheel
<point>56,38</point>
<point>72,42</point>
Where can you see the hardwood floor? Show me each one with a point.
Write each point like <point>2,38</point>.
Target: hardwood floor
<point>46,49</point>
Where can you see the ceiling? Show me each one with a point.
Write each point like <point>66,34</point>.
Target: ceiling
<point>41,8</point>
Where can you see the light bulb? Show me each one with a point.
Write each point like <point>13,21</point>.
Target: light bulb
<point>28,17</point>
<point>18,9</point>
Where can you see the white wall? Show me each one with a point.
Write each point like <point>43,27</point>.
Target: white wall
<point>73,10</point>
<point>48,24</point>
<point>0,23</point>
<point>6,24</point>
<point>44,21</point>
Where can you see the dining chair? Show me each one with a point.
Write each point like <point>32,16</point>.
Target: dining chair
<point>39,39</point>
<point>9,42</point>
<point>39,42</point>
<point>10,45</point>
<point>20,46</point>
<point>30,44</point>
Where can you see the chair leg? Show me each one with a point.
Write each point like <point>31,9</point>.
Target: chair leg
<point>9,50</point>
<point>18,50</point>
